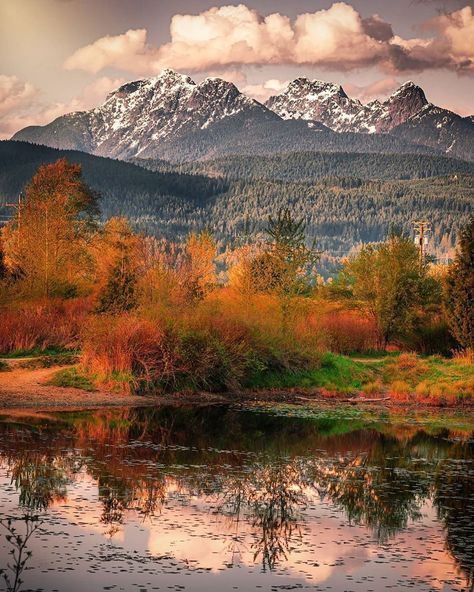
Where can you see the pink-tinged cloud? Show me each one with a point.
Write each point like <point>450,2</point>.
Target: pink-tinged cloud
<point>21,104</point>
<point>337,38</point>
<point>262,92</point>
<point>15,94</point>
<point>377,90</point>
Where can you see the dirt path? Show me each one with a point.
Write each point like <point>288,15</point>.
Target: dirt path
<point>24,387</point>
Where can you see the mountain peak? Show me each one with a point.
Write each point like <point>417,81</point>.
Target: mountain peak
<point>410,89</point>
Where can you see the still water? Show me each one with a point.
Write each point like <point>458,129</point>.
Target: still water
<point>216,498</point>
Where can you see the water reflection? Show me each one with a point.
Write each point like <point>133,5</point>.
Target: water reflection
<point>258,489</point>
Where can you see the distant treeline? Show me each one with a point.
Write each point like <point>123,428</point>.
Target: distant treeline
<point>310,166</point>
<point>232,197</point>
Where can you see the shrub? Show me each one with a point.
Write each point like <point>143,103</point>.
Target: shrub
<point>423,390</point>
<point>72,378</point>
<point>464,356</point>
<point>130,345</point>
<point>39,326</point>
<point>348,332</point>
<point>399,389</point>
<point>372,388</point>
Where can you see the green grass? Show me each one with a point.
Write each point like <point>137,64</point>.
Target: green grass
<point>72,377</point>
<point>426,378</point>
<point>335,373</point>
<point>4,367</point>
<point>31,353</point>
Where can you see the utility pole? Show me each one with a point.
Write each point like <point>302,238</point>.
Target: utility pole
<point>422,229</point>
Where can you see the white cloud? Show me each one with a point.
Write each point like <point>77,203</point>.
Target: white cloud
<point>21,104</point>
<point>337,38</point>
<point>15,94</point>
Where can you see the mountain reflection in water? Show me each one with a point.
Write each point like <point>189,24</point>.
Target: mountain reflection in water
<point>215,498</point>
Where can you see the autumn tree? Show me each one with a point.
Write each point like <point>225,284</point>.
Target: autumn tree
<point>200,266</point>
<point>116,252</point>
<point>3,267</point>
<point>459,292</point>
<point>46,242</point>
<point>386,282</point>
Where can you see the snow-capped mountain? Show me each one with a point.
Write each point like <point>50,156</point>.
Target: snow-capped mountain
<point>171,117</point>
<point>141,114</point>
<point>329,104</point>
<point>316,101</point>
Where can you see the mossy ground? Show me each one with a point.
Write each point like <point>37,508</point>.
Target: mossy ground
<point>73,377</point>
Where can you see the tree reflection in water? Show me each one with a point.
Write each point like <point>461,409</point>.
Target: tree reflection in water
<point>454,501</point>
<point>262,470</point>
<point>271,497</point>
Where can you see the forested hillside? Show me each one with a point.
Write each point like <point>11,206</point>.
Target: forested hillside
<point>312,166</point>
<point>235,196</point>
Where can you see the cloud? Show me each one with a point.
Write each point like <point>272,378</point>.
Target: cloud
<point>21,104</point>
<point>262,92</point>
<point>337,38</point>
<point>127,52</point>
<point>377,90</point>
<point>15,94</point>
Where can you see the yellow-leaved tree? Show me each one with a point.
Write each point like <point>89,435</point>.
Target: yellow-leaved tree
<point>46,243</point>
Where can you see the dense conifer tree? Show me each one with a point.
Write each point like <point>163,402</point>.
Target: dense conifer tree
<point>459,297</point>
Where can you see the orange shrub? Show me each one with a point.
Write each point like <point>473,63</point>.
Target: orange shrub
<point>128,345</point>
<point>399,390</point>
<point>43,325</point>
<point>348,331</point>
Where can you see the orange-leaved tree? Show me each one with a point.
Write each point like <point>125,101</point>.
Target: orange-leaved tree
<point>46,242</point>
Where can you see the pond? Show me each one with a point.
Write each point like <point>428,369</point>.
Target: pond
<point>217,497</point>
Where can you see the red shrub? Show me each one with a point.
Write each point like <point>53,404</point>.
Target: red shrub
<point>347,331</point>
<point>43,325</point>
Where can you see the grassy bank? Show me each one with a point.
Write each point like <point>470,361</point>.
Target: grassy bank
<point>404,378</point>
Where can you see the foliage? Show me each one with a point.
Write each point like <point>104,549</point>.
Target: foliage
<point>45,242</point>
<point>387,282</point>
<point>120,292</point>
<point>200,272</point>
<point>459,293</point>
<point>42,325</point>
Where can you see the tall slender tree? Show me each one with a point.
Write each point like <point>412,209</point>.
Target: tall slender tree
<point>459,293</point>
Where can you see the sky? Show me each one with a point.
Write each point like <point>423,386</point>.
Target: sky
<point>58,56</point>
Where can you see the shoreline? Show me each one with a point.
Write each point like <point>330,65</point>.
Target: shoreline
<point>21,388</point>
<point>76,399</point>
